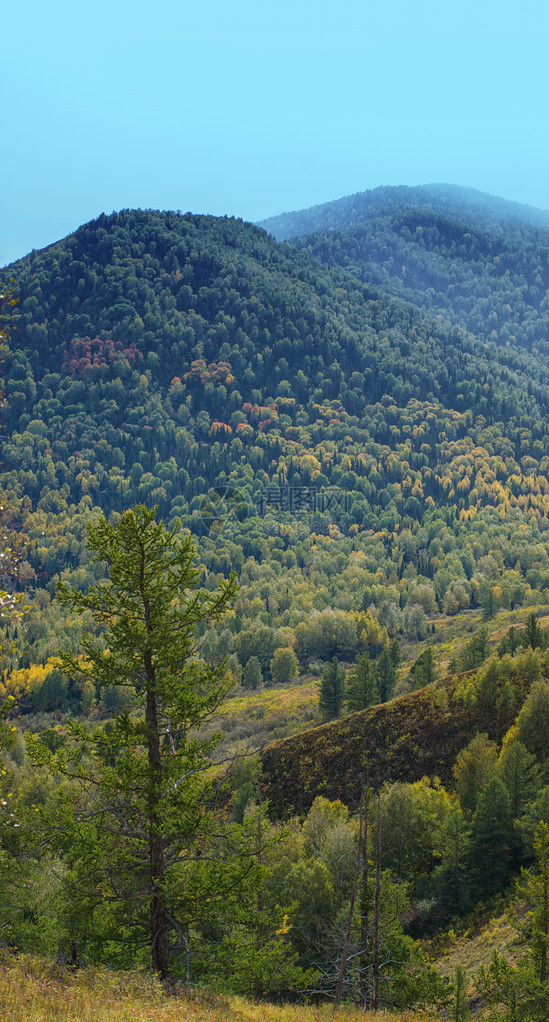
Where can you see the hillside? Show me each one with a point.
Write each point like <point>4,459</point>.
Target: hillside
<point>478,209</point>
<point>374,467</point>
<point>332,442</point>
<point>414,736</point>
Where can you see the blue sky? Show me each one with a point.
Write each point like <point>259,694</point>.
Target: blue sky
<point>254,108</point>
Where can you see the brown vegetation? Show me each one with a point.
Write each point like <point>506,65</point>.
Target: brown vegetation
<point>415,735</point>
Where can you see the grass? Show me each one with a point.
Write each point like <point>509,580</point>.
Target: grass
<point>34,991</point>
<point>252,719</point>
<point>290,699</point>
<point>472,952</point>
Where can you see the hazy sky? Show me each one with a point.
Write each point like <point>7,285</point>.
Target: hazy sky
<point>255,108</point>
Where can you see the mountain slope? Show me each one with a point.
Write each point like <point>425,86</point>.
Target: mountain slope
<point>337,445</point>
<point>473,207</point>
<point>493,286</point>
<point>144,332</point>
<point>480,262</point>
<point>418,735</point>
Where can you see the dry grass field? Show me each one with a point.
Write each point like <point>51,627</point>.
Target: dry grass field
<point>32,991</point>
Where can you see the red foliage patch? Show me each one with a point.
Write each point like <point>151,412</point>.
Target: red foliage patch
<point>84,355</point>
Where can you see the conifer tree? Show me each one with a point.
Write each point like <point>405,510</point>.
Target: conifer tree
<point>460,1009</point>
<point>491,833</point>
<point>521,775</point>
<point>332,691</point>
<point>532,634</point>
<point>533,722</point>
<point>451,881</point>
<point>386,675</point>
<point>423,671</point>
<point>130,831</point>
<point>362,686</point>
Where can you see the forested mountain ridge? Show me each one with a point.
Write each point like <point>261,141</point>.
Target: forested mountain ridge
<point>478,209</point>
<point>480,262</point>
<point>169,359</point>
<point>215,317</point>
<point>494,287</point>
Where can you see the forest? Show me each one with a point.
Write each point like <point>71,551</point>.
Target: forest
<point>346,433</point>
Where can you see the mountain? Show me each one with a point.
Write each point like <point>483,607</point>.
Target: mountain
<point>144,330</point>
<point>477,261</point>
<point>338,445</point>
<point>357,423</point>
<point>476,208</point>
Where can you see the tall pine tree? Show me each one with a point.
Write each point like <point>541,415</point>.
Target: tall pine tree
<point>131,830</point>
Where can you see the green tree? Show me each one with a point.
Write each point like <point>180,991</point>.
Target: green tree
<point>423,671</point>
<point>258,958</point>
<point>490,599</point>
<point>532,634</point>
<point>396,655</point>
<point>519,992</point>
<point>533,721</point>
<point>491,835</point>
<point>536,812</point>
<point>51,694</point>
<point>131,833</point>
<point>537,889</point>
<point>521,775</point>
<point>87,701</point>
<point>260,641</point>
<point>332,691</point>
<point>373,637</point>
<point>473,768</point>
<point>254,951</point>
<point>307,886</point>
<point>386,675</point>
<point>362,687</point>
<point>252,675</point>
<point>510,642</point>
<point>475,651</point>
<point>412,818</point>
<point>460,1007</point>
<point>451,881</point>
<point>284,665</point>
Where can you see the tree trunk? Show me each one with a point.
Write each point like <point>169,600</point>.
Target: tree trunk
<point>160,952</point>
<point>376,927</point>
<point>364,913</point>
<point>343,963</point>
<point>159,922</point>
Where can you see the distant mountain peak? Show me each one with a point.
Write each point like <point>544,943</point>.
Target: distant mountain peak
<point>458,201</point>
